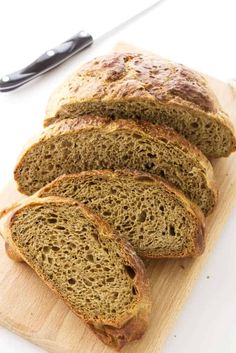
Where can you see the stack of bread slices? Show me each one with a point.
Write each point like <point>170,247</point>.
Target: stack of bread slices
<point>120,172</point>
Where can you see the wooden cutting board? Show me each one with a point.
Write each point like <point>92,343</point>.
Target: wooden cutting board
<point>30,309</point>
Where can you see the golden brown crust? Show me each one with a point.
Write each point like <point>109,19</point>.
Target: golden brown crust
<point>127,328</point>
<point>12,253</point>
<point>199,239</point>
<point>91,122</point>
<point>136,75</point>
<point>132,330</point>
<point>6,210</point>
<point>130,76</point>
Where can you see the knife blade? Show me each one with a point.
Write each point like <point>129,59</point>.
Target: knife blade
<point>54,57</point>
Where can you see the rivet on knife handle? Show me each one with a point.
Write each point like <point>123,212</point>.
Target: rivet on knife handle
<point>47,61</point>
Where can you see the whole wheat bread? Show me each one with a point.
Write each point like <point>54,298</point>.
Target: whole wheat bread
<point>95,272</point>
<point>89,143</point>
<point>156,218</point>
<point>132,85</point>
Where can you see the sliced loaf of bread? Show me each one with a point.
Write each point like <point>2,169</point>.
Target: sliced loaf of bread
<point>90,143</point>
<point>95,272</point>
<point>131,85</point>
<point>157,219</point>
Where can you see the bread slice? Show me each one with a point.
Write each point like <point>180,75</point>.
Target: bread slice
<point>95,272</point>
<point>157,219</point>
<point>75,145</point>
<point>132,85</point>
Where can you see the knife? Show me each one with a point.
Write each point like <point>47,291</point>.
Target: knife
<point>57,55</point>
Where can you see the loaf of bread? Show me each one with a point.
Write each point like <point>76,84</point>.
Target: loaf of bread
<point>89,143</point>
<point>95,272</point>
<point>128,85</point>
<point>156,219</point>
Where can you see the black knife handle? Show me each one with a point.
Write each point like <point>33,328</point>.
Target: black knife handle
<point>47,61</point>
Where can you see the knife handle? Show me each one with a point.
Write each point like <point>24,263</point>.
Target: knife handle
<point>47,61</point>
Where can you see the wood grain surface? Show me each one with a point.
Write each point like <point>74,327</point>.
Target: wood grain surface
<point>30,309</point>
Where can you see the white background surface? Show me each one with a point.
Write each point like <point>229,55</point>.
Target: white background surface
<point>199,33</point>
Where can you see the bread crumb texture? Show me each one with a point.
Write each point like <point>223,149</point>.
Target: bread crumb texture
<point>93,143</point>
<point>97,273</point>
<point>157,220</point>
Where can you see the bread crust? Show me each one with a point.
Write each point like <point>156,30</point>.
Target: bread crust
<point>199,237</point>
<point>12,253</point>
<point>131,325</point>
<point>126,77</point>
<point>146,129</point>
